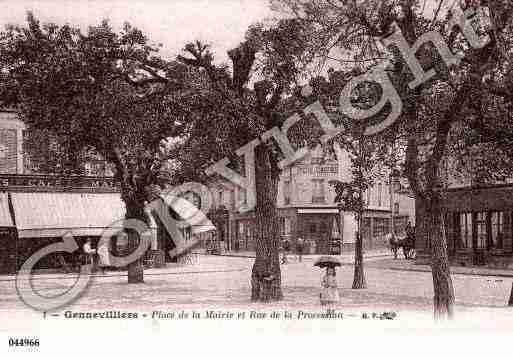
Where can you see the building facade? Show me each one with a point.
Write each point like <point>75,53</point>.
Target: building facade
<point>38,208</point>
<point>478,222</point>
<point>307,210</point>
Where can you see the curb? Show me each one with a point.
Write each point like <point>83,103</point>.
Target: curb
<point>304,258</point>
<point>500,275</point>
<point>74,275</point>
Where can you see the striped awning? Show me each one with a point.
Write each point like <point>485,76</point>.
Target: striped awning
<point>5,215</point>
<point>43,214</point>
<point>56,214</point>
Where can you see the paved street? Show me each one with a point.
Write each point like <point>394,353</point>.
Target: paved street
<point>219,282</point>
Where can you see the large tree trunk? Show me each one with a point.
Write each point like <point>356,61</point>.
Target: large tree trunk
<point>134,210</point>
<point>266,274</point>
<point>443,300</point>
<point>510,302</point>
<point>359,274</point>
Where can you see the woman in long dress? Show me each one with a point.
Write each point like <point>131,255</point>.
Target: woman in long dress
<point>329,291</point>
<point>104,255</point>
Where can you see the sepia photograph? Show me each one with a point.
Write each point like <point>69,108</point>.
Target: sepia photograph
<point>235,168</point>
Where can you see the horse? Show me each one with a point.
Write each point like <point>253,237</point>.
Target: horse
<point>407,243</point>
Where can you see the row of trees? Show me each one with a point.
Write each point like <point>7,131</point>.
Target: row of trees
<point>463,106</point>
<point>113,93</point>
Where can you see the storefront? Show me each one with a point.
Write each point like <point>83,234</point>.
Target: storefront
<point>318,227</point>
<point>478,227</point>
<point>36,211</point>
<point>243,232</point>
<point>42,218</point>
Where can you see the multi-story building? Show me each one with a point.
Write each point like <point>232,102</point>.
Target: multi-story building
<point>11,142</point>
<point>38,207</point>
<point>306,206</point>
<point>39,204</point>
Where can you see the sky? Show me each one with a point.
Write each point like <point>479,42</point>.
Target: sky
<point>222,23</point>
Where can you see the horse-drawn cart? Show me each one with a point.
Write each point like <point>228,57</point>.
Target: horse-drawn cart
<point>407,243</point>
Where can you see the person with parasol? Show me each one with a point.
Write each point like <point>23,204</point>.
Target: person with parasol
<point>329,291</point>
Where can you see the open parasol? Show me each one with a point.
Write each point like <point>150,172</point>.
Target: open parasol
<point>327,261</point>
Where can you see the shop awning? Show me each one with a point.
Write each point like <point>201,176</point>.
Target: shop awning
<point>55,214</point>
<point>43,214</point>
<point>5,215</point>
<point>203,229</point>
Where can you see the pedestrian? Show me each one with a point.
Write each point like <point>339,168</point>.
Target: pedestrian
<point>300,244</point>
<point>286,249</point>
<point>103,255</point>
<point>329,289</point>
<point>409,229</point>
<point>89,251</point>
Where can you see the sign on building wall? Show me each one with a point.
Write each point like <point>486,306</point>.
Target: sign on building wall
<point>319,171</point>
<point>49,182</point>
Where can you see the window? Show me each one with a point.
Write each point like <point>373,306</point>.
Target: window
<point>232,199</point>
<point>288,225</point>
<point>220,198</point>
<point>380,193</point>
<point>481,229</point>
<point>313,228</point>
<point>193,198</point>
<point>243,198</point>
<point>286,192</point>
<point>386,225</point>
<point>396,208</point>
<point>285,226</point>
<point>497,230</point>
<point>318,191</point>
<point>366,231</point>
<point>241,229</point>
<point>379,227</point>
<point>465,230</point>
<point>368,196</point>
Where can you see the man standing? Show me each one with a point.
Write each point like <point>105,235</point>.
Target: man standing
<point>89,252</point>
<point>409,229</point>
<point>286,248</point>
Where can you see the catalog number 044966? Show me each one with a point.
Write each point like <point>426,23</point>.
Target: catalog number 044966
<point>23,342</point>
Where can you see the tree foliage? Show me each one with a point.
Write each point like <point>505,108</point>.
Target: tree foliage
<point>102,91</point>
<point>441,117</point>
<point>240,103</point>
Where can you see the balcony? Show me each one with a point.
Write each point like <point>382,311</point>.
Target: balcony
<point>319,170</point>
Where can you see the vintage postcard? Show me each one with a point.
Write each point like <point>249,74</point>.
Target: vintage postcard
<point>325,168</point>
